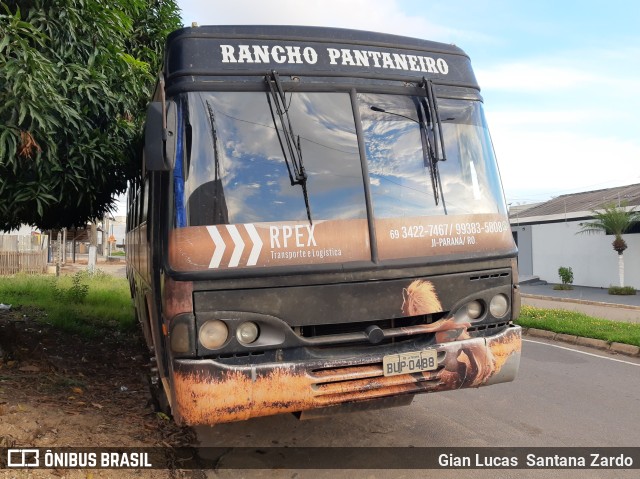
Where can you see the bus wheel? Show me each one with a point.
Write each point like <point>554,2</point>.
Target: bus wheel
<point>159,399</point>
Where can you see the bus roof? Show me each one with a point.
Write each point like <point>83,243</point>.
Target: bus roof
<point>254,50</point>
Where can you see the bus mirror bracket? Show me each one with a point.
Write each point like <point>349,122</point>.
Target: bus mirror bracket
<point>160,135</point>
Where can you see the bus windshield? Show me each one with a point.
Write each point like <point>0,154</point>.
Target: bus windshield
<point>401,185</point>
<point>243,178</point>
<point>236,171</point>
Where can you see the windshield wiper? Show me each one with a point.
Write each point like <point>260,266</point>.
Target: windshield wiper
<point>434,119</point>
<point>429,155</point>
<point>291,150</point>
<point>428,152</point>
<point>435,128</point>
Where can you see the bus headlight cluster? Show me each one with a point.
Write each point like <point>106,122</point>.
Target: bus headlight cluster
<point>499,305</point>
<point>475,310</point>
<point>215,333</point>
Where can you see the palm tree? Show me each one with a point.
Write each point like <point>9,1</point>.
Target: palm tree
<point>615,220</point>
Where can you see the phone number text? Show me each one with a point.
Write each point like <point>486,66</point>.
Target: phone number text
<point>424,231</point>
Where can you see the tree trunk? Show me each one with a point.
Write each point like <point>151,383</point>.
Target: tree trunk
<point>621,270</point>
<point>64,245</point>
<point>93,235</point>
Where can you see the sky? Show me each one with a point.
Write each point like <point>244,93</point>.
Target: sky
<point>560,79</point>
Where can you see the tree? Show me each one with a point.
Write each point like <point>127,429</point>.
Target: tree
<point>616,220</point>
<point>75,77</point>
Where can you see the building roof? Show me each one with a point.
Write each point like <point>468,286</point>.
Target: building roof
<point>584,202</point>
<point>519,209</point>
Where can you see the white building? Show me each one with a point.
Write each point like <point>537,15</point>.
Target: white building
<point>547,237</point>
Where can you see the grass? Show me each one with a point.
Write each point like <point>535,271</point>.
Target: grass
<point>579,324</point>
<point>90,305</point>
<point>562,287</point>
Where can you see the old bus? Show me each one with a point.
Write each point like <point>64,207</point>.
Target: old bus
<point>319,225</point>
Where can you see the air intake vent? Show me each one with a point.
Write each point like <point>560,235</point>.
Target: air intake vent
<point>238,355</point>
<point>492,327</point>
<point>488,276</point>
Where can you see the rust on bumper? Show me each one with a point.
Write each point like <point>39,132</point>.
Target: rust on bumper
<point>206,392</point>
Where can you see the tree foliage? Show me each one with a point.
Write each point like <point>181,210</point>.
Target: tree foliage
<point>75,76</point>
<point>612,219</point>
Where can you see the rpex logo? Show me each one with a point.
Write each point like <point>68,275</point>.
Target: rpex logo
<point>23,458</point>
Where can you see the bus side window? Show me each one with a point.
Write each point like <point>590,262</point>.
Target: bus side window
<point>144,207</point>
<point>136,209</point>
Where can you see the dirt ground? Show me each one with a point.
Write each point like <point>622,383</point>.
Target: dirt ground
<point>58,389</point>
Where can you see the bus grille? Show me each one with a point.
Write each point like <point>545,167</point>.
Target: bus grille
<point>368,382</point>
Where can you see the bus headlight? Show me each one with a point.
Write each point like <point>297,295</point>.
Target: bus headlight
<point>470,312</point>
<point>474,309</point>
<point>213,334</point>
<point>499,305</point>
<point>247,332</point>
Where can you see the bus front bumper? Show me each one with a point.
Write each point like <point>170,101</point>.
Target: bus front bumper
<point>207,392</point>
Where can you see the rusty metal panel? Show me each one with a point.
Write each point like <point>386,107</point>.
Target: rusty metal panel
<point>206,392</point>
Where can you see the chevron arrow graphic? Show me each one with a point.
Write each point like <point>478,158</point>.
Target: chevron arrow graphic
<point>220,246</point>
<point>257,244</point>
<point>239,246</point>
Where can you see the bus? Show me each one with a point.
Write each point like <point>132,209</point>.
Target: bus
<point>319,225</point>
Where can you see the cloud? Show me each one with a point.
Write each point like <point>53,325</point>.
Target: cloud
<point>562,161</point>
<point>544,118</point>
<point>563,123</point>
<point>564,70</point>
<point>374,15</point>
<point>533,77</point>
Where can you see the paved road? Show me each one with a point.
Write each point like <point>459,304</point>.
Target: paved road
<point>564,396</point>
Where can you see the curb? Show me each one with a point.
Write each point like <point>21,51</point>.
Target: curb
<point>580,301</point>
<point>618,348</point>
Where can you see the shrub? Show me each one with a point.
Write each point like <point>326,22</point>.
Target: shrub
<point>622,290</point>
<point>79,290</point>
<point>566,276</point>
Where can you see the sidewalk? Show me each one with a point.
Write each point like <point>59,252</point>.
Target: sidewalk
<point>595,302</point>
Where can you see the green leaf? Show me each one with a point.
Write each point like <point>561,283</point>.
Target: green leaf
<point>22,113</point>
<point>67,74</point>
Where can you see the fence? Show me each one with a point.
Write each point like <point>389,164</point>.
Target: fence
<point>23,254</point>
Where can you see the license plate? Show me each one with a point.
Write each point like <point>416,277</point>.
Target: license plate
<point>406,363</point>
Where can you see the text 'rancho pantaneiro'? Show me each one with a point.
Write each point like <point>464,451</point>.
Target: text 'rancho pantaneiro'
<point>294,54</point>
